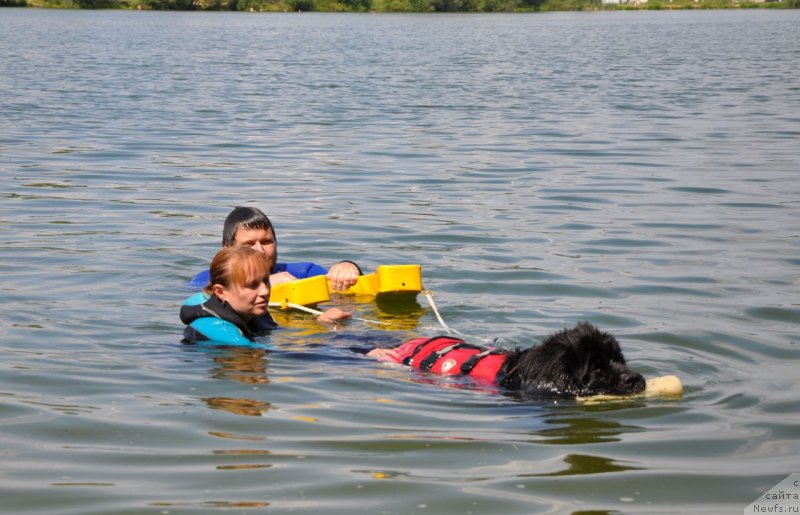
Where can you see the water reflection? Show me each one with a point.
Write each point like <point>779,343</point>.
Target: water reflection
<point>391,312</point>
<point>583,464</point>
<point>244,364</point>
<point>237,406</point>
<point>301,324</point>
<point>244,467</point>
<point>236,436</point>
<point>398,311</point>
<point>221,505</point>
<point>572,430</point>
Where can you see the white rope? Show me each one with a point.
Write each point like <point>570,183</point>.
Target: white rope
<point>436,312</point>
<point>296,306</point>
<point>427,294</point>
<point>315,312</point>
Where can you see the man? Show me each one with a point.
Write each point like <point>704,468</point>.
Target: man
<point>249,227</point>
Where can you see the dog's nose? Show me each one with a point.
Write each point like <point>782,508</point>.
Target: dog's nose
<point>634,381</point>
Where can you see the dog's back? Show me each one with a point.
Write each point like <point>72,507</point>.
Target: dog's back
<point>446,355</point>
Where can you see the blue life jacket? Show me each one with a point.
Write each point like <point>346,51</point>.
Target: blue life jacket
<point>299,269</point>
<point>208,319</point>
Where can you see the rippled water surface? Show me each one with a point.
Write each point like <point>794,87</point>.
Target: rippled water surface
<point>635,169</point>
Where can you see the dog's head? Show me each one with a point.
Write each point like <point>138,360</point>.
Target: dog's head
<point>576,362</point>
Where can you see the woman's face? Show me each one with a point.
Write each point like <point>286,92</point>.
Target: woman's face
<point>250,299</point>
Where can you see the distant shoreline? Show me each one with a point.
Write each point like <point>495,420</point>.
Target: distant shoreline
<point>403,6</point>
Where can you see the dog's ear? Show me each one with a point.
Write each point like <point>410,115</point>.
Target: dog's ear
<point>605,370</point>
<point>555,367</point>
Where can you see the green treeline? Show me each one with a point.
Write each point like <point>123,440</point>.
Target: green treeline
<point>395,5</point>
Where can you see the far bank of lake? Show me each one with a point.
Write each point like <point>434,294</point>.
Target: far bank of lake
<point>408,6</point>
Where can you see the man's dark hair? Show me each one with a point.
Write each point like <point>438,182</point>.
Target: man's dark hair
<point>246,218</point>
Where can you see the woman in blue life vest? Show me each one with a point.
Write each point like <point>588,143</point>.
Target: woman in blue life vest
<point>232,308</point>
<point>250,227</point>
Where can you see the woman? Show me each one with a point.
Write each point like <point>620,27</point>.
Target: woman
<point>232,309</point>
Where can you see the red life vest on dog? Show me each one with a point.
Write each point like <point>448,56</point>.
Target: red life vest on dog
<point>452,356</point>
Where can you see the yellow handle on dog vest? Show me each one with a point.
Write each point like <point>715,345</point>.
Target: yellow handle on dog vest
<point>313,290</point>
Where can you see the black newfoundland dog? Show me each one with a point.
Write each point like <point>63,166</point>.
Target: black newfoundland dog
<point>580,361</point>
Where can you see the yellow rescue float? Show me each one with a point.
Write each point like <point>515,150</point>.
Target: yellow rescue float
<point>314,290</point>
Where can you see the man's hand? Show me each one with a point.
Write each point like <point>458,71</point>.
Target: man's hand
<point>343,275</point>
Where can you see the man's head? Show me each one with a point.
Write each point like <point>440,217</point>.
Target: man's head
<point>249,227</point>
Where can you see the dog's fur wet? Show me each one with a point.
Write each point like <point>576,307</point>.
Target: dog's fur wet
<point>580,361</point>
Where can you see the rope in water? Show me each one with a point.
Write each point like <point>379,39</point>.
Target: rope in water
<point>428,296</point>
<point>316,312</point>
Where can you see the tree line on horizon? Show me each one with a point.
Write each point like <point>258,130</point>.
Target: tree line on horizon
<point>418,6</point>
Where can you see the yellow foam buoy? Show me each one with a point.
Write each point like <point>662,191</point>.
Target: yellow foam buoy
<point>663,386</point>
<point>313,290</point>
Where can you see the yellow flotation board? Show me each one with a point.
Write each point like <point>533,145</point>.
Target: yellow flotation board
<point>313,290</point>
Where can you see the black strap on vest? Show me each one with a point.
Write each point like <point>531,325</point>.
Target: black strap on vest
<point>431,359</point>
<point>468,365</point>
<point>410,360</point>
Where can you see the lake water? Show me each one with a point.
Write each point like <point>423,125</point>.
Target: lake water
<point>635,169</point>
